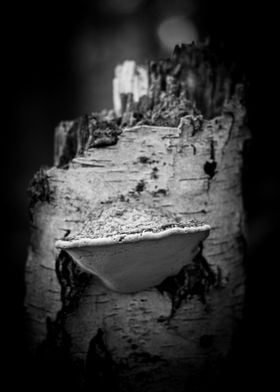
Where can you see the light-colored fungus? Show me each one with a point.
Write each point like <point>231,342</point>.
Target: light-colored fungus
<point>134,247</point>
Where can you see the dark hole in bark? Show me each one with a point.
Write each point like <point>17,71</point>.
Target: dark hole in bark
<point>210,168</point>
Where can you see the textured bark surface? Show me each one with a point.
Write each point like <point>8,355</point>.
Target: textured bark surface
<point>173,337</point>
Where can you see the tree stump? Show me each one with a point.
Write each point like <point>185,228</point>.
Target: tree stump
<point>175,140</point>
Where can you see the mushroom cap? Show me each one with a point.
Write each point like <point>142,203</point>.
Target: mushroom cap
<point>134,247</point>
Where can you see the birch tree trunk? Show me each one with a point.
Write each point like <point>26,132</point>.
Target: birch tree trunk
<point>175,140</point>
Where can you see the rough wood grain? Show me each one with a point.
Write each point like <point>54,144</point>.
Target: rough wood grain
<point>171,337</point>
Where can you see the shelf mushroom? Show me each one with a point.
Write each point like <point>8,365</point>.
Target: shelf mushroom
<point>134,247</point>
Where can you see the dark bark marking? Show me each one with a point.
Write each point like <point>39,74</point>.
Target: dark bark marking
<point>54,352</point>
<point>159,192</point>
<point>194,149</point>
<point>72,281</point>
<point>195,279</point>
<point>144,160</point>
<point>100,374</point>
<point>147,160</point>
<point>210,168</point>
<point>211,165</point>
<point>140,186</point>
<point>53,365</point>
<point>154,173</point>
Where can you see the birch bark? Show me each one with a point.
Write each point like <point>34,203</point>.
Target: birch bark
<point>172,337</point>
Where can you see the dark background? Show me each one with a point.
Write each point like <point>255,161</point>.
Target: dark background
<point>60,63</point>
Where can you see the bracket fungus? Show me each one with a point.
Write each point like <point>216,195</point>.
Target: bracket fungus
<point>134,247</point>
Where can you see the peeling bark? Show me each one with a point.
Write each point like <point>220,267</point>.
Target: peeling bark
<point>39,190</point>
<point>172,336</point>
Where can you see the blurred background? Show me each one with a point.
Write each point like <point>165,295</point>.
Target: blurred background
<point>61,57</point>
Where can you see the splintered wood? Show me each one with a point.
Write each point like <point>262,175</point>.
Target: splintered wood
<point>185,158</point>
